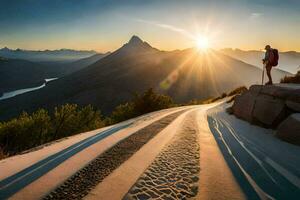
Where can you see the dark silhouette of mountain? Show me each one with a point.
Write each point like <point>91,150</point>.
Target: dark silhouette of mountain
<point>82,63</point>
<point>288,61</point>
<point>17,74</point>
<point>136,66</point>
<point>66,55</point>
<point>60,69</point>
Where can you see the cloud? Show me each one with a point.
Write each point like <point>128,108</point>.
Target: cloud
<point>256,15</point>
<point>166,26</point>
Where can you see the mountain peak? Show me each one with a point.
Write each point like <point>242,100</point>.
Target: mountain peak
<point>135,40</point>
<point>135,44</point>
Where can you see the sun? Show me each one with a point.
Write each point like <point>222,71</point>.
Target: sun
<point>202,42</point>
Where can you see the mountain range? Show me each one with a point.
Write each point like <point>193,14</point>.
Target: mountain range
<point>136,66</point>
<point>15,73</point>
<point>18,73</point>
<point>288,61</point>
<point>62,55</point>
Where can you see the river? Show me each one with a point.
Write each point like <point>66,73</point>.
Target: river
<point>14,93</point>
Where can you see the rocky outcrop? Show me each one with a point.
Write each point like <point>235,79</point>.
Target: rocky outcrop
<point>243,106</point>
<point>293,105</point>
<point>268,111</point>
<point>269,106</point>
<point>289,129</point>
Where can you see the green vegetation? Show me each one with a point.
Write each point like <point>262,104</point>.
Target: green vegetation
<point>291,79</point>
<point>146,102</point>
<point>238,90</point>
<point>28,131</point>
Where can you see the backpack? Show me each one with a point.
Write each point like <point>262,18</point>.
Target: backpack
<point>275,57</point>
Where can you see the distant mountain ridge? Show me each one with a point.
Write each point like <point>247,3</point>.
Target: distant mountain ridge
<point>19,74</point>
<point>288,61</point>
<point>136,66</point>
<point>46,55</point>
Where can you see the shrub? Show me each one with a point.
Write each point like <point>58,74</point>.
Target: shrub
<point>89,119</point>
<point>150,101</point>
<point>238,90</point>
<point>146,102</point>
<point>291,79</point>
<point>42,126</point>
<point>64,120</point>
<point>28,131</point>
<point>121,113</point>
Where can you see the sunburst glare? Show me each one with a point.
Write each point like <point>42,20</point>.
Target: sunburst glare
<point>202,42</point>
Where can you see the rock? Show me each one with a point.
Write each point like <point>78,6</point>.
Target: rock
<point>266,105</point>
<point>277,91</point>
<point>295,96</point>
<point>289,129</point>
<point>268,111</point>
<point>243,106</point>
<point>295,106</point>
<point>269,106</point>
<point>229,110</point>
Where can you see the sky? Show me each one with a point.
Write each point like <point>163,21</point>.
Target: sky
<point>104,25</point>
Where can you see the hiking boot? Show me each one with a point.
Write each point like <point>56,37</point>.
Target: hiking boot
<point>269,83</point>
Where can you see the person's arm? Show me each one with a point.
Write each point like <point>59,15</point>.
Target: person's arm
<point>266,57</point>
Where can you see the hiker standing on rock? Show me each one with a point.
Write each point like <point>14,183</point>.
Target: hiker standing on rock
<point>270,60</point>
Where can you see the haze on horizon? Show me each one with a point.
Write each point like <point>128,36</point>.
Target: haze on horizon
<point>105,25</point>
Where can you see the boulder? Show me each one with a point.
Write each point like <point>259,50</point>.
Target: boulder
<point>269,111</point>
<point>243,106</point>
<point>262,109</point>
<point>289,129</point>
<point>278,90</point>
<point>294,106</point>
<point>294,96</point>
<point>269,106</point>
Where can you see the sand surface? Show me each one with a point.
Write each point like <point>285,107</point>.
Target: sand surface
<point>59,174</point>
<point>117,184</point>
<point>168,154</point>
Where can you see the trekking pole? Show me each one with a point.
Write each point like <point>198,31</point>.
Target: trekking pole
<point>263,74</point>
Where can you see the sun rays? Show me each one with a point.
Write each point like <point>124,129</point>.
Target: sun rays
<point>202,42</point>
<point>198,66</point>
<point>200,71</point>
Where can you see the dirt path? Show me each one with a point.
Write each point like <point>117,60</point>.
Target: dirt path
<point>13,166</point>
<point>88,177</point>
<point>217,182</point>
<point>174,174</point>
<point>118,183</point>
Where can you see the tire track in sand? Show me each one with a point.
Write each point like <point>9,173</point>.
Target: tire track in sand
<point>78,185</point>
<point>174,174</point>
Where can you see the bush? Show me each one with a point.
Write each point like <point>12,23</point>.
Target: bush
<point>122,113</point>
<point>150,101</point>
<point>291,79</point>
<point>146,102</point>
<point>238,90</point>
<point>42,125</point>
<point>28,131</point>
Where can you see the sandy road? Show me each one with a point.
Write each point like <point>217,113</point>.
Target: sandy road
<point>170,154</point>
<point>34,174</point>
<point>183,161</point>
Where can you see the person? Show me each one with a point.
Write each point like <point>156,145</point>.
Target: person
<point>267,61</point>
